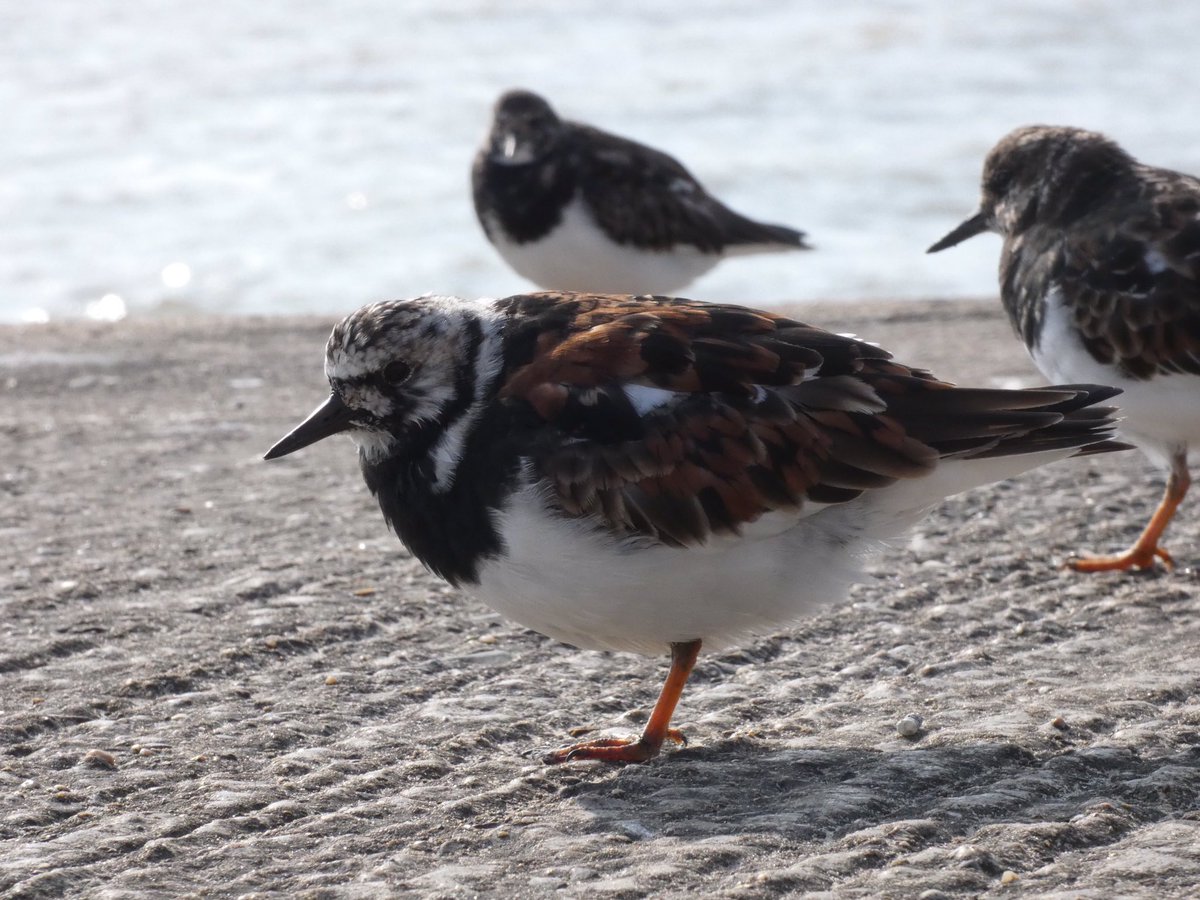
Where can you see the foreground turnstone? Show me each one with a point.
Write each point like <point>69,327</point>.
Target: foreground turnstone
<point>1100,276</point>
<point>571,207</point>
<point>652,474</point>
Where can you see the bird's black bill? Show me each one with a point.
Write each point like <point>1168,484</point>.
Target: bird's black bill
<point>977,224</point>
<point>331,417</point>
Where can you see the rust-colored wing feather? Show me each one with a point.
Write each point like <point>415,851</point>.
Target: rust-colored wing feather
<point>764,413</point>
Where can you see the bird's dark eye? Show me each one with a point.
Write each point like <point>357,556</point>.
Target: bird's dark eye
<point>396,372</point>
<point>999,180</point>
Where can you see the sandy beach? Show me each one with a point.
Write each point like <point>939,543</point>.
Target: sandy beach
<point>223,677</point>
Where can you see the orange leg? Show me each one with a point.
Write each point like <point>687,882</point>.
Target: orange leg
<point>683,659</point>
<point>1146,549</point>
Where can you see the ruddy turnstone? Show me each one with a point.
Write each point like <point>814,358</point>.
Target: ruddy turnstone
<point>1100,276</point>
<point>651,474</point>
<point>571,207</point>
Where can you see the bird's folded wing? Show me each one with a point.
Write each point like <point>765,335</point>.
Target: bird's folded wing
<point>644,197</point>
<point>678,420</point>
<point>1135,289</point>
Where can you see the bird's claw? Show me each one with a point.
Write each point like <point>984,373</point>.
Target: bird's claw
<point>1141,558</point>
<point>619,750</point>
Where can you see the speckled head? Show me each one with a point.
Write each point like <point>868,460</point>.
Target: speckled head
<point>524,129</point>
<point>1043,174</point>
<point>394,367</point>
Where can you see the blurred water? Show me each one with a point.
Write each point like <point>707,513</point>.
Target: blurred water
<point>307,156</point>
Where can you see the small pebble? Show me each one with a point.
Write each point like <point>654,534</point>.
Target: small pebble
<point>486,639</point>
<point>331,679</point>
<point>910,725</point>
<point>145,751</point>
<point>100,759</point>
<point>1009,877</point>
<point>364,592</point>
<point>1058,722</point>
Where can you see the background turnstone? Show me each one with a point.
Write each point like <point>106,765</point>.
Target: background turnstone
<point>648,473</point>
<point>1100,275</point>
<point>571,207</point>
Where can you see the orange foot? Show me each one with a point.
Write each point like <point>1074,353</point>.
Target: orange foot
<point>658,730</point>
<point>1146,549</point>
<point>1136,557</point>
<point>622,750</point>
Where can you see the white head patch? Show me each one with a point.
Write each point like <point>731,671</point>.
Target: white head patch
<point>437,339</point>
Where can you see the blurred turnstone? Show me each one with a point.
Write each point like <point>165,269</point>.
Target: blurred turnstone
<point>1100,276</point>
<point>651,474</point>
<point>571,207</point>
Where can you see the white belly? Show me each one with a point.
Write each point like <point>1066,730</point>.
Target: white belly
<point>576,584</point>
<point>1158,415</point>
<point>578,256</point>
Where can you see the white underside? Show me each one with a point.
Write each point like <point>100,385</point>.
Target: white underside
<point>578,256</point>
<point>577,584</point>
<point>1161,415</point>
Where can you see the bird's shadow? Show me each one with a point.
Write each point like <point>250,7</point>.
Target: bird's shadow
<point>733,787</point>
